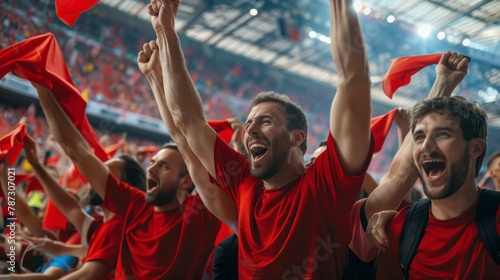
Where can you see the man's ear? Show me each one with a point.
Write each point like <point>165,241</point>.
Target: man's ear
<point>298,137</point>
<point>477,147</point>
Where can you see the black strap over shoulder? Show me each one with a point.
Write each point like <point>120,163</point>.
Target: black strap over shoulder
<point>413,231</point>
<point>487,207</point>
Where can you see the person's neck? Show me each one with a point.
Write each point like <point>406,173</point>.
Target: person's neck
<point>285,175</point>
<point>496,183</point>
<point>456,204</point>
<point>108,215</point>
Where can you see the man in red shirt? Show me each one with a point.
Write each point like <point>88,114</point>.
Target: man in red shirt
<point>293,221</point>
<point>449,145</point>
<point>167,234</point>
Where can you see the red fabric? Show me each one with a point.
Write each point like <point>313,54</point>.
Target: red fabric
<point>12,144</point>
<point>69,10</point>
<point>172,244</point>
<point>300,231</point>
<point>380,128</point>
<point>53,159</point>
<point>224,233</point>
<point>54,219</point>
<point>223,128</point>
<point>450,249</point>
<point>112,149</point>
<point>105,243</point>
<point>39,59</point>
<point>34,185</point>
<point>402,68</point>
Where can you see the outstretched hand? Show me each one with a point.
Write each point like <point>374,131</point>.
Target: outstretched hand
<point>453,67</point>
<point>376,231</point>
<point>31,151</point>
<point>237,137</point>
<point>163,13</point>
<point>148,59</point>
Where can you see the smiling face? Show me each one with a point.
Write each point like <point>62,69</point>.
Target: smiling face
<point>441,155</point>
<point>165,176</point>
<point>267,139</point>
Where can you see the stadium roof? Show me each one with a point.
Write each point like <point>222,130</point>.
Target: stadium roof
<point>265,30</point>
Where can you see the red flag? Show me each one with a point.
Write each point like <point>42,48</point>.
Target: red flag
<point>40,60</point>
<point>53,218</point>
<point>12,144</point>
<point>223,128</point>
<point>380,128</point>
<point>69,10</point>
<point>402,68</point>
<point>113,148</point>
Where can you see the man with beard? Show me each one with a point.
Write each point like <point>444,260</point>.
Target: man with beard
<point>449,145</point>
<point>100,245</point>
<point>167,233</point>
<point>293,220</point>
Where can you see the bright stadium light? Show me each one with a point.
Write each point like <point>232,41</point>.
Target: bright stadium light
<point>313,34</point>
<point>253,12</point>
<point>424,30</point>
<point>441,35</point>
<point>367,11</point>
<point>466,42</point>
<point>391,19</point>
<point>358,6</point>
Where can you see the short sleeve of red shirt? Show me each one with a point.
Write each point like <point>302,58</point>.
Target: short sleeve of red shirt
<point>231,167</point>
<point>104,244</point>
<point>360,244</point>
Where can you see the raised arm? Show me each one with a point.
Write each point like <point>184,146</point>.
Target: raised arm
<point>62,199</point>
<point>402,174</point>
<point>72,142</point>
<point>350,111</point>
<point>215,200</point>
<point>21,209</point>
<point>181,95</point>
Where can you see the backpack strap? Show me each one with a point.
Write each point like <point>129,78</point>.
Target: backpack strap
<point>413,231</point>
<point>487,207</point>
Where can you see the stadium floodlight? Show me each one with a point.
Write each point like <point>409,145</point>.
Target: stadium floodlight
<point>424,30</point>
<point>313,34</point>
<point>441,35</point>
<point>391,19</point>
<point>466,42</point>
<point>254,12</point>
<point>358,6</point>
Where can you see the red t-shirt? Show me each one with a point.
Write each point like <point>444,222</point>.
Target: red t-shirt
<point>104,243</point>
<point>450,249</point>
<point>388,266</point>
<point>300,231</point>
<point>173,244</point>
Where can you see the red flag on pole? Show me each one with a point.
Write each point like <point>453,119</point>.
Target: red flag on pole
<point>403,68</point>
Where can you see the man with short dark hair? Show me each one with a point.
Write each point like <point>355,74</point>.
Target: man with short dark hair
<point>293,221</point>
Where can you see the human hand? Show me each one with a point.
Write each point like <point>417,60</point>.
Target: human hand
<point>163,13</point>
<point>31,151</point>
<point>148,59</point>
<point>453,67</point>
<point>376,231</point>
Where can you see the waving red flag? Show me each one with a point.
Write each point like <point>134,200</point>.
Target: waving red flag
<point>380,128</point>
<point>40,60</point>
<point>69,10</point>
<point>12,144</point>
<point>403,68</point>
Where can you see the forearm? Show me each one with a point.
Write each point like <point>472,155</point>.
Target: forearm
<point>62,199</point>
<point>442,87</point>
<point>70,139</point>
<point>58,248</point>
<point>73,143</point>
<point>348,47</point>
<point>393,187</point>
<point>182,97</point>
<point>22,211</point>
